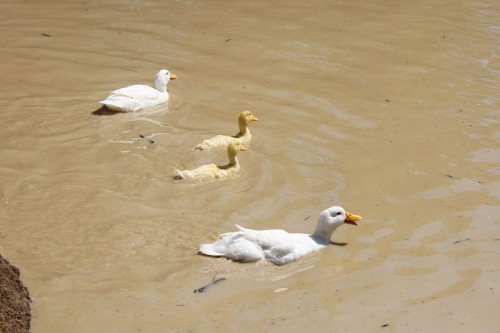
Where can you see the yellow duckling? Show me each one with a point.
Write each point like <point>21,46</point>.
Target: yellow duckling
<point>212,170</point>
<point>245,118</point>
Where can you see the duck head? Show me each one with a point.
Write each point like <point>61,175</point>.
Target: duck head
<point>232,150</point>
<point>246,117</point>
<point>332,218</point>
<point>162,78</point>
<point>235,147</point>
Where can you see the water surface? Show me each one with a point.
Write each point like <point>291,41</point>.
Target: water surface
<point>388,108</point>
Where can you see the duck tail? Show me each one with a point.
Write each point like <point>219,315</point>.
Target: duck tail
<point>208,250</point>
<point>198,147</point>
<point>179,174</point>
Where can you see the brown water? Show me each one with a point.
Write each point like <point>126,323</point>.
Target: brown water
<point>388,108</point>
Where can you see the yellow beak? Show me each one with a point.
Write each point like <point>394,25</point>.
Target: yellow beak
<point>351,218</point>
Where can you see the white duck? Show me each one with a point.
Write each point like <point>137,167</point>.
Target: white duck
<point>212,170</point>
<point>140,96</point>
<point>245,118</point>
<point>278,246</point>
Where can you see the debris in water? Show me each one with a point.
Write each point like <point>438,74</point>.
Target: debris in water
<point>44,34</point>
<point>385,325</point>
<point>461,240</point>
<point>145,137</point>
<point>214,281</point>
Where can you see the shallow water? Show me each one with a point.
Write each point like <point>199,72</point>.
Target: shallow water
<point>389,109</point>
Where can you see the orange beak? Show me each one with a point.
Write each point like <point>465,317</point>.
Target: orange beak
<point>243,148</point>
<point>351,218</point>
<point>173,76</point>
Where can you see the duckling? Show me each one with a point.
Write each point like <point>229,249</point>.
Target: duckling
<point>245,118</point>
<point>278,246</point>
<point>139,96</point>
<point>212,170</point>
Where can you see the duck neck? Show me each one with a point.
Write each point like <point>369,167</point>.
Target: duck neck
<point>160,85</point>
<point>244,131</point>
<point>233,160</point>
<point>323,232</point>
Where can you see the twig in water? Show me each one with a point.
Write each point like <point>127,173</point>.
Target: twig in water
<point>214,281</point>
<point>144,137</point>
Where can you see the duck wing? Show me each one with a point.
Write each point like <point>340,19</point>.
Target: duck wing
<point>276,246</point>
<point>138,91</point>
<point>279,246</point>
<point>216,141</point>
<point>233,245</point>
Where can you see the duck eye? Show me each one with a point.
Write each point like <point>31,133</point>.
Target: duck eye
<point>338,213</point>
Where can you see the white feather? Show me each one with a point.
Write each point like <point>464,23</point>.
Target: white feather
<point>276,246</point>
<point>136,97</point>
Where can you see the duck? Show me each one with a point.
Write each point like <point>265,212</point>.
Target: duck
<point>243,136</point>
<point>215,171</point>
<point>278,246</point>
<point>139,96</point>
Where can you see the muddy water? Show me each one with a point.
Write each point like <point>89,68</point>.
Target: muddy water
<point>387,108</point>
